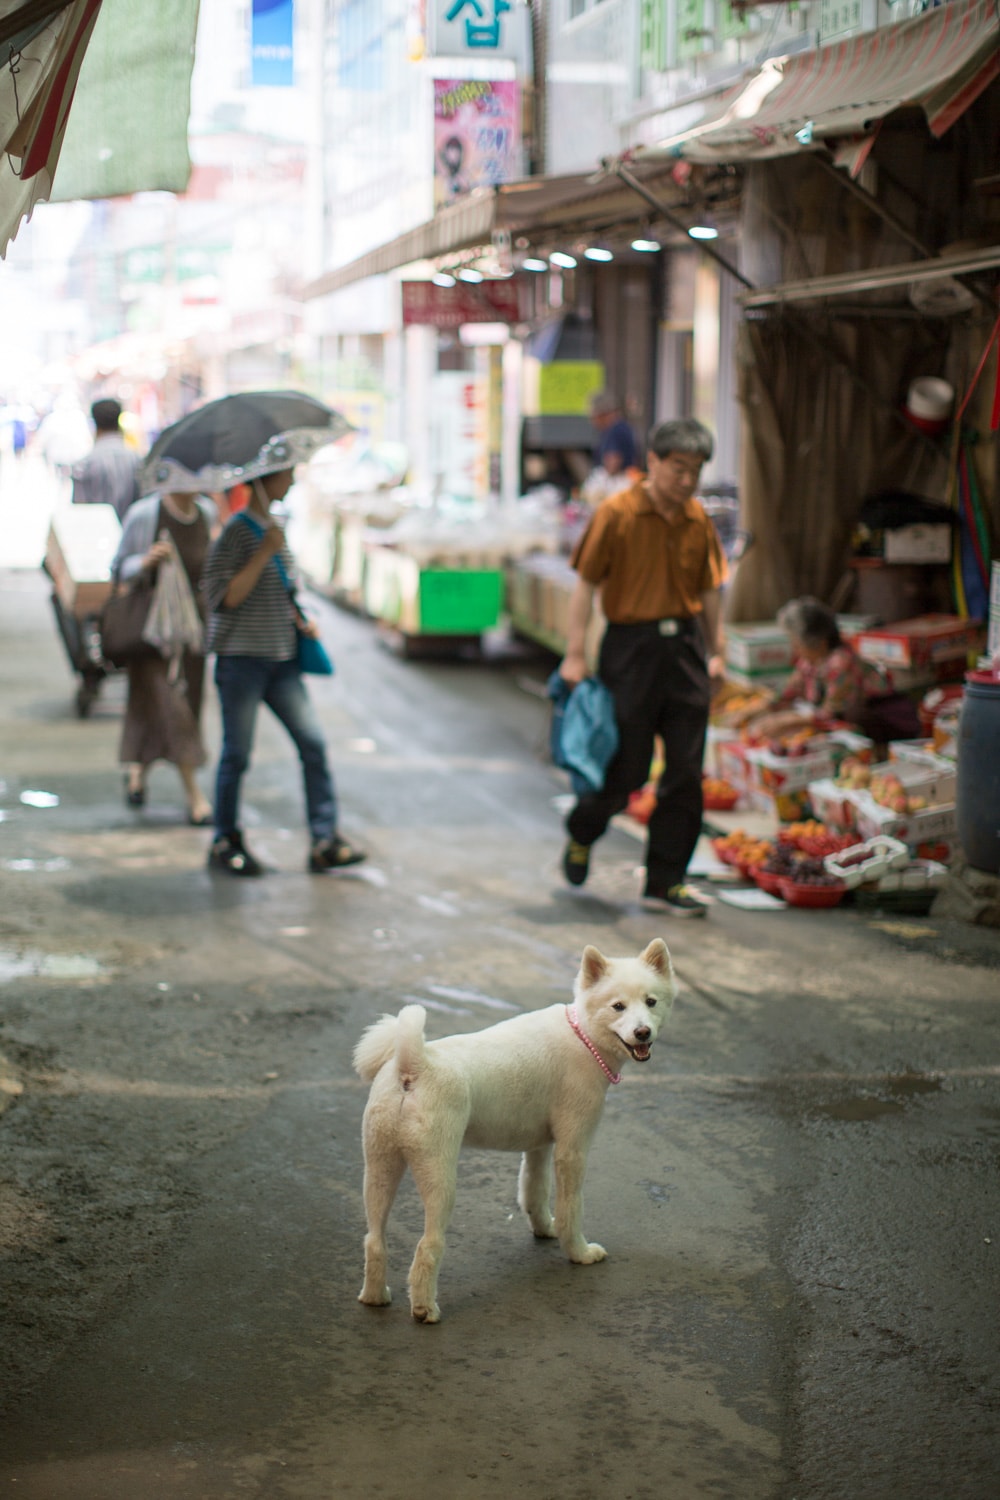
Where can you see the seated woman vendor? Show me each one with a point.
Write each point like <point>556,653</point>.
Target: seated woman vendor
<point>831,681</point>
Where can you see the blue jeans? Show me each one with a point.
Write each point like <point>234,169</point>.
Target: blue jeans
<point>244,683</point>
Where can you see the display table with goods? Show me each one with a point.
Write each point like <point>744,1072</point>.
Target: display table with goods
<point>539,587</point>
<point>80,548</point>
<point>806,865</point>
<point>442,571</point>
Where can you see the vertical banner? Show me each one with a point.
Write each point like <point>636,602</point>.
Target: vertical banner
<point>477,135</point>
<point>272,58</point>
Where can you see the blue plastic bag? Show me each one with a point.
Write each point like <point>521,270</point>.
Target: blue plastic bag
<point>584,736</point>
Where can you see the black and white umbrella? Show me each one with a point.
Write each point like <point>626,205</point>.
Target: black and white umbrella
<point>239,438</point>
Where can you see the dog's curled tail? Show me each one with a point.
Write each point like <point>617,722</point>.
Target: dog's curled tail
<point>399,1036</point>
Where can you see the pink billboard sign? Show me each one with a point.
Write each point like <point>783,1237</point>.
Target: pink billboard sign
<point>477,135</point>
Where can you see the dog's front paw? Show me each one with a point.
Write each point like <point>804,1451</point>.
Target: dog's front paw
<point>374,1297</point>
<point>424,1314</point>
<point>589,1255</point>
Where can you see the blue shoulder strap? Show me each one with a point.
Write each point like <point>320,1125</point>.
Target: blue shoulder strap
<point>258,531</point>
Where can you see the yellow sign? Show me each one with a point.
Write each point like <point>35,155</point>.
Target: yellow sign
<point>566,385</point>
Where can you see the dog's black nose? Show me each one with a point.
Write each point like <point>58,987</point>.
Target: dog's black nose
<point>642,1033</point>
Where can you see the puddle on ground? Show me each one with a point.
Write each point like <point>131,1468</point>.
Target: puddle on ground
<point>860,1109</point>
<point>899,1087</point>
<point>22,866</point>
<point>39,799</point>
<point>47,965</point>
<point>913,1083</point>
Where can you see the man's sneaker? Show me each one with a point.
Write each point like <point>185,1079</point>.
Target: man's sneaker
<point>681,900</point>
<point>576,862</point>
<point>228,854</point>
<point>333,854</point>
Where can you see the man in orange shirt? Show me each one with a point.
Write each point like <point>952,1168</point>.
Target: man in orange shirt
<point>655,557</point>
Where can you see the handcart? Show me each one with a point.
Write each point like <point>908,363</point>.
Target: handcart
<point>81,546</point>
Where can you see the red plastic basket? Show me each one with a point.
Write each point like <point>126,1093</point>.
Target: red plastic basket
<point>720,803</point>
<point>768,881</point>
<point>810,895</point>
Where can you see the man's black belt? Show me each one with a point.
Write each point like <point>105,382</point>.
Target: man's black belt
<point>672,625</point>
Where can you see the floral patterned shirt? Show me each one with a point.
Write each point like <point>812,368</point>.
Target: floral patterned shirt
<point>839,686</point>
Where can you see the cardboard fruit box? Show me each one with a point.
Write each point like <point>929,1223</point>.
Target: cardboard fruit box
<point>941,773</point>
<point>919,543</point>
<point>913,828</point>
<point>789,773</point>
<point>933,781</point>
<point>923,641</point>
<point>831,803</point>
<point>764,647</point>
<point>80,549</point>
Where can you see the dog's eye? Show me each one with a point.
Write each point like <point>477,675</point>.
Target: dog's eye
<point>618,1005</point>
<point>650,1000</point>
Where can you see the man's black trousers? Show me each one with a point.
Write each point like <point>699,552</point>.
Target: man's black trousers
<point>658,677</point>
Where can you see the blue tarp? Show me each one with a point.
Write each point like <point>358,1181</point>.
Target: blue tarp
<point>584,732</point>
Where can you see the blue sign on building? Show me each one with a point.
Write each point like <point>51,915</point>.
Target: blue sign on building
<point>272,57</point>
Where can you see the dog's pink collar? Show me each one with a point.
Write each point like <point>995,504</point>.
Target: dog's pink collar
<point>571,1017</point>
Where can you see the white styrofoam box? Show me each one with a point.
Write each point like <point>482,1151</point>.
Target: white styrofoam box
<point>763,647</point>
<point>993,637</point>
<point>789,773</point>
<point>920,543</point>
<point>867,861</point>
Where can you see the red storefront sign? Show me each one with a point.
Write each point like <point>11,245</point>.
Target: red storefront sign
<point>465,302</point>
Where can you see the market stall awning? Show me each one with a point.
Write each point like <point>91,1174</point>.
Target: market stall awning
<point>535,206</point>
<point>877,279</point>
<point>94,100</point>
<point>941,61</point>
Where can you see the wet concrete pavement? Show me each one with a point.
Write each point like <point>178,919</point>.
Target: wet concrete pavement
<point>798,1194</point>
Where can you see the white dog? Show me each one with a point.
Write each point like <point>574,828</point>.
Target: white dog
<point>534,1084</point>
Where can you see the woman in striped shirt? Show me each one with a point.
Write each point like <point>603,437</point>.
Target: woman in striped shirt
<point>252,629</point>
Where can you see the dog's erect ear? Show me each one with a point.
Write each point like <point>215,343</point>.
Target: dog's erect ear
<point>657,957</point>
<point>593,966</point>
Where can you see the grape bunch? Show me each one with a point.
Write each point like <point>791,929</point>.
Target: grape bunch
<point>808,870</point>
<point>782,861</point>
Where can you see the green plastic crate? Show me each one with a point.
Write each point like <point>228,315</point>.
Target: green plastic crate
<point>459,602</point>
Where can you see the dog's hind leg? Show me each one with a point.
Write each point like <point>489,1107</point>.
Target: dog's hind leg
<point>435,1179</point>
<point>534,1191</point>
<point>384,1170</point>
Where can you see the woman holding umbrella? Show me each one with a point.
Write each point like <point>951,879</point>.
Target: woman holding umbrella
<point>254,617</point>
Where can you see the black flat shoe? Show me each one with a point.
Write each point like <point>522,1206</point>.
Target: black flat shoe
<point>134,796</point>
<point>205,821</point>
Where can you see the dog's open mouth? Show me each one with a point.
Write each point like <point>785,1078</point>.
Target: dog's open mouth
<point>641,1051</point>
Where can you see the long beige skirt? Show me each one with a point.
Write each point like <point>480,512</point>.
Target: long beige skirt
<point>162,718</point>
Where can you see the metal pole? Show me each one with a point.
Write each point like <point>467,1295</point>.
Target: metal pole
<point>871,202</point>
<point>704,245</point>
